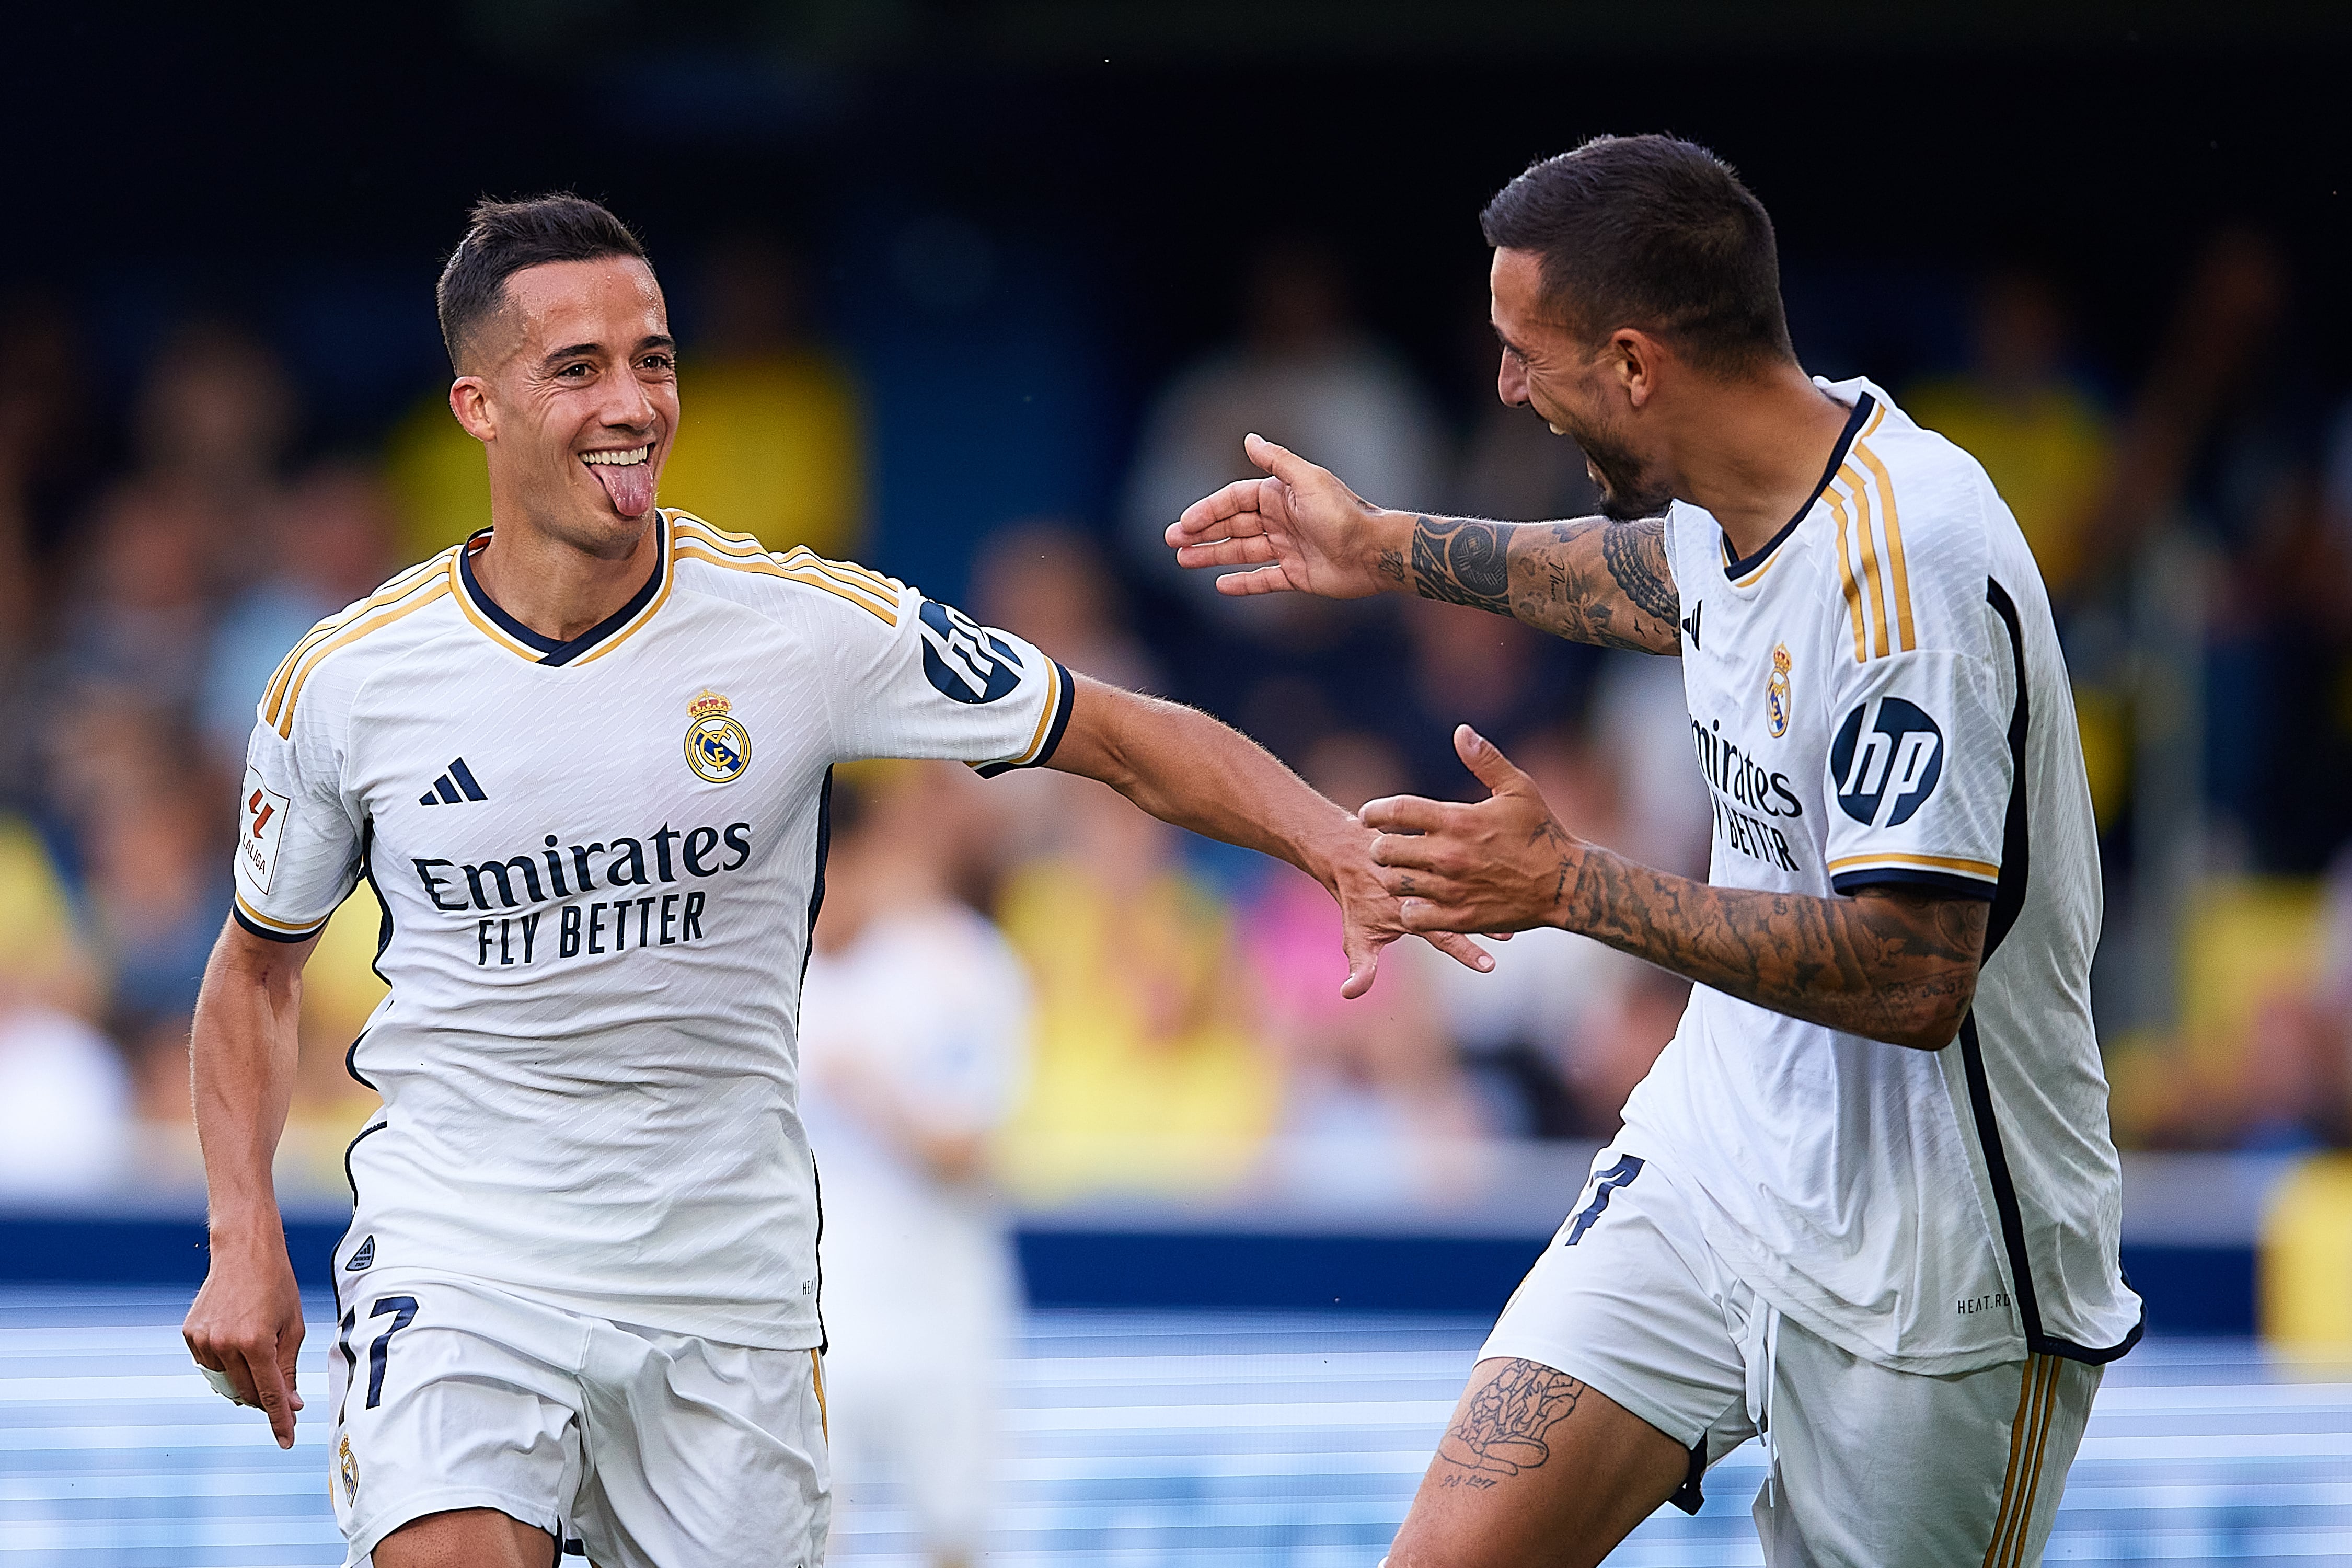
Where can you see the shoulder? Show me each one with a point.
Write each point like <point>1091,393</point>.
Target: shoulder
<point>1918,530</point>
<point>797,584</point>
<point>335,657</point>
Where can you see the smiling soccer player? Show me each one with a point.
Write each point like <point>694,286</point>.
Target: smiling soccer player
<point>1866,1205</point>
<point>583,759</point>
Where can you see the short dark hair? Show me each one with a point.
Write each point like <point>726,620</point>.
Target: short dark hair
<point>504,238</point>
<point>1654,233</point>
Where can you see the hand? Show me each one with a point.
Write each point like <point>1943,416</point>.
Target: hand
<point>248,1323</point>
<point>1370,917</point>
<point>1504,864</point>
<point>1301,529</point>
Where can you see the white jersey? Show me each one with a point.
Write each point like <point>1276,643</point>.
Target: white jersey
<point>1877,697</point>
<point>599,863</point>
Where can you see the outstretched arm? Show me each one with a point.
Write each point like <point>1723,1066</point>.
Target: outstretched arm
<point>1889,964</point>
<point>1185,767</point>
<point>1301,531</point>
<point>248,1319</point>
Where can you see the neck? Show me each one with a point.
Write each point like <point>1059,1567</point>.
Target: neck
<point>555,587</point>
<point>1759,459</point>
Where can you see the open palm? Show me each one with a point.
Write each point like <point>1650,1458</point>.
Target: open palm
<point>1299,530</point>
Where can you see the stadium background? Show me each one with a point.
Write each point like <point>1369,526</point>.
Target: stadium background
<point>969,292</point>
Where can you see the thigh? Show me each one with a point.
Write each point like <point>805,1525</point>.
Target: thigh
<point>1609,1383</point>
<point>1872,1466</point>
<point>702,1452</point>
<point>448,1398</point>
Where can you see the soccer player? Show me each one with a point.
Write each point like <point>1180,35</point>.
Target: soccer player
<point>583,760</point>
<point>1865,1205</point>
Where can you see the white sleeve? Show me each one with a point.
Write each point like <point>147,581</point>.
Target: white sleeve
<point>297,847</point>
<point>1919,772</point>
<point>933,683</point>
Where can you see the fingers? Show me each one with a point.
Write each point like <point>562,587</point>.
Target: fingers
<point>1485,759</point>
<point>1235,509</point>
<point>1280,461</point>
<point>1461,949</point>
<point>1265,580</point>
<point>272,1389</point>
<point>1250,551</point>
<point>1415,852</point>
<point>1363,962</point>
<point>1404,814</point>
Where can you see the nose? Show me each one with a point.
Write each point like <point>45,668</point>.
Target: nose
<point>626,405</point>
<point>1511,382</point>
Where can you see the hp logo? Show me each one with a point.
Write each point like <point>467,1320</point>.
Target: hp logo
<point>1887,759</point>
<point>963,659</point>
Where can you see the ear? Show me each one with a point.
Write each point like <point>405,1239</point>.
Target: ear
<point>469,400</point>
<point>1636,358</point>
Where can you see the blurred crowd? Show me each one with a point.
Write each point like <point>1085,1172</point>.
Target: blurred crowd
<point>163,542</point>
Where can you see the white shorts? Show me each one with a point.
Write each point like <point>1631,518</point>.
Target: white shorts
<point>1868,1465</point>
<point>644,1446</point>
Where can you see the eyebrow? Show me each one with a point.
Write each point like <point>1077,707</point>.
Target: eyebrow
<point>590,351</point>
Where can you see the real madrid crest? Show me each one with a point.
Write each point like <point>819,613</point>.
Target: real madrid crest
<point>717,747</point>
<point>1776,693</point>
<point>350,1466</point>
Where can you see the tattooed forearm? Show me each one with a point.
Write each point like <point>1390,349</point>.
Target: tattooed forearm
<point>1597,582</point>
<point>1589,581</point>
<point>1462,563</point>
<point>1889,965</point>
<point>1504,1422</point>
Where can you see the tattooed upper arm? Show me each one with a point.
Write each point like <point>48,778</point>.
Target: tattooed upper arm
<point>1590,581</point>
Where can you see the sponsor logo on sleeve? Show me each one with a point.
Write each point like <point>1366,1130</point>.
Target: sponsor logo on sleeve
<point>1885,761</point>
<point>966,661</point>
<point>265,828</point>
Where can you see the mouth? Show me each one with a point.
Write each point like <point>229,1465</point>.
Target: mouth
<point>627,475</point>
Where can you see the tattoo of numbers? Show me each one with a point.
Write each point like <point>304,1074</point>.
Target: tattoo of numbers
<point>1503,1430</point>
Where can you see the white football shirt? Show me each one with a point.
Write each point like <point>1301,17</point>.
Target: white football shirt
<point>1877,698</point>
<point>599,863</point>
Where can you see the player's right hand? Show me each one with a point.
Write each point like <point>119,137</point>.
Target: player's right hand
<point>1298,530</point>
<point>247,1324</point>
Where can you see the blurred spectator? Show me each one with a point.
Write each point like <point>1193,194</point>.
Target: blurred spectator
<point>1050,583</point>
<point>770,440</point>
<point>138,614</point>
<point>65,1104</point>
<point>1148,1076</point>
<point>1640,721</point>
<point>328,542</point>
<point>1469,667</point>
<point>212,420</point>
<point>2036,427</point>
<point>1373,1106</point>
<point>914,1025</point>
<point>1305,375</point>
<point>65,1099</point>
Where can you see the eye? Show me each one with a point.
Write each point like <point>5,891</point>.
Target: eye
<point>573,371</point>
<point>659,361</point>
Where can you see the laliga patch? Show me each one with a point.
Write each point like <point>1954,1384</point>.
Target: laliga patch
<point>1885,761</point>
<point>964,660</point>
<point>265,829</point>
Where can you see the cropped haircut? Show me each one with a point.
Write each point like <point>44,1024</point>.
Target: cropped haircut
<point>504,238</point>
<point>1653,233</point>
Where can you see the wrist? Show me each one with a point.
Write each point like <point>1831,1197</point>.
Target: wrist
<point>1388,550</point>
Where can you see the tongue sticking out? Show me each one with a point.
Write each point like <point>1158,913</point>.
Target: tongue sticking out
<point>631,486</point>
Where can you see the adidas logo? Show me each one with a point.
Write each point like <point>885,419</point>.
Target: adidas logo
<point>447,787</point>
<point>1690,622</point>
<point>362,1259</point>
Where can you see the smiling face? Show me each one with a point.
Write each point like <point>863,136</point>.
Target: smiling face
<point>1590,392</point>
<point>573,390</point>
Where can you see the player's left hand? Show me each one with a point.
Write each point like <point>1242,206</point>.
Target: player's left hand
<point>1371,918</point>
<point>1504,864</point>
